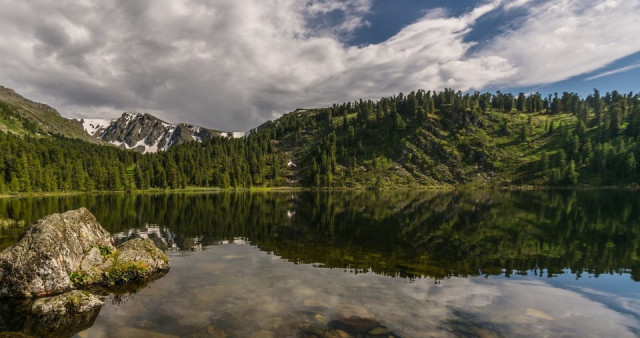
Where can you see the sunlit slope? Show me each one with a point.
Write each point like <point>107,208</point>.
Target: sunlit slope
<point>453,139</point>
<point>21,116</point>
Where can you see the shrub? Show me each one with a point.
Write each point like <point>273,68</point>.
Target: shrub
<point>126,272</point>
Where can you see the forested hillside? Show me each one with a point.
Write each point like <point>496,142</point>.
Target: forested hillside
<point>453,138</point>
<point>424,138</point>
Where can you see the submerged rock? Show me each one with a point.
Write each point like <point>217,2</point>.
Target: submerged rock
<point>72,302</point>
<point>59,316</point>
<point>71,250</point>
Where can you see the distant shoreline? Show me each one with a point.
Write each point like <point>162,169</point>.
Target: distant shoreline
<point>324,189</point>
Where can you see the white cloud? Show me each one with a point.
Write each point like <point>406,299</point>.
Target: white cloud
<point>612,72</point>
<point>232,64</point>
<point>563,38</point>
<point>516,4</point>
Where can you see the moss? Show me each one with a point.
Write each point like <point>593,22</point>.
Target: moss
<point>126,272</point>
<point>76,300</point>
<point>105,251</point>
<point>79,278</point>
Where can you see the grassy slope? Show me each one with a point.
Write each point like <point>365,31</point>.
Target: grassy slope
<point>24,117</point>
<point>429,155</point>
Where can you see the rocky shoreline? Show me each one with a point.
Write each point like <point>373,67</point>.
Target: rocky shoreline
<point>48,273</point>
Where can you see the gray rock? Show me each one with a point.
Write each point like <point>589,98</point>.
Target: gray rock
<point>65,251</point>
<point>63,315</point>
<point>93,258</point>
<point>94,265</point>
<point>143,251</point>
<point>72,302</point>
<point>40,262</point>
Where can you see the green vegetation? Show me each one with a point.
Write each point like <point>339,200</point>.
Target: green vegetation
<point>77,300</point>
<point>105,251</point>
<point>119,273</point>
<point>396,233</point>
<point>24,117</point>
<point>122,273</point>
<point>14,122</point>
<point>428,138</point>
<point>79,278</point>
<point>11,223</point>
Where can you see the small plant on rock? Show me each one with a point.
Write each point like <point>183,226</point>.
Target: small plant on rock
<point>105,250</point>
<point>126,272</point>
<point>78,278</point>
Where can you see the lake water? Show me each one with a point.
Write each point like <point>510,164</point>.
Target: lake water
<point>339,264</point>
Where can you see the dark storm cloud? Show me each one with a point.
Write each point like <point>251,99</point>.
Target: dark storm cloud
<point>51,37</point>
<point>233,64</point>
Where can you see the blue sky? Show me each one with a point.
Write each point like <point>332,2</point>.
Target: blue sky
<point>622,75</point>
<point>387,18</point>
<point>233,64</point>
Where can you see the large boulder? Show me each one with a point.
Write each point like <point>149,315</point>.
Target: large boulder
<point>40,263</point>
<point>71,250</point>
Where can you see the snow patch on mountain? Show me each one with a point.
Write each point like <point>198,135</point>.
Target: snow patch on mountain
<point>234,134</point>
<point>148,134</point>
<point>93,126</point>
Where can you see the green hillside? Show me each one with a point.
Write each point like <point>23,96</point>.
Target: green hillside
<point>21,116</point>
<point>428,139</point>
<point>451,138</point>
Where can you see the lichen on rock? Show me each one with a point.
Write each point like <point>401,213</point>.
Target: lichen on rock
<point>143,250</point>
<point>72,302</point>
<point>67,251</point>
<point>62,315</point>
<point>40,262</point>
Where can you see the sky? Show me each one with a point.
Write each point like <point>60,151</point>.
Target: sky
<point>234,64</point>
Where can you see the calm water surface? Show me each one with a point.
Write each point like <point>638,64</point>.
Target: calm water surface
<point>400,264</point>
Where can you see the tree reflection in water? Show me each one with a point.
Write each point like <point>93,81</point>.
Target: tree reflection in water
<point>403,233</point>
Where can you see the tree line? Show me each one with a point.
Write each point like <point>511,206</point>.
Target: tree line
<point>424,138</point>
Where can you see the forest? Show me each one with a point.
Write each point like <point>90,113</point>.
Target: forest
<point>424,138</point>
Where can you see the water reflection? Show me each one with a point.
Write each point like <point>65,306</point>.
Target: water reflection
<point>236,290</point>
<point>17,318</point>
<point>406,234</point>
<point>571,258</point>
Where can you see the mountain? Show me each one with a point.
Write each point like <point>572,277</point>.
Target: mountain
<point>146,133</point>
<point>423,139</point>
<point>21,116</point>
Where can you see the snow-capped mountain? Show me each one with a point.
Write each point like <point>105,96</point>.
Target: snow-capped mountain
<point>147,133</point>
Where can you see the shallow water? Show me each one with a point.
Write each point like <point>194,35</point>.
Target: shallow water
<point>410,264</point>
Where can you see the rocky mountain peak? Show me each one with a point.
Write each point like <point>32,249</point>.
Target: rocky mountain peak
<point>146,133</point>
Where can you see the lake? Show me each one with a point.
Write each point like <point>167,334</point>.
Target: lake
<point>364,263</point>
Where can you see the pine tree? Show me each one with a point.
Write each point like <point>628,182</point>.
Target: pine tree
<point>571,174</point>
<point>521,104</point>
<point>630,168</point>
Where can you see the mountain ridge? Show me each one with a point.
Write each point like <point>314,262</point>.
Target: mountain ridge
<point>146,133</point>
<point>141,132</point>
<point>22,116</point>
